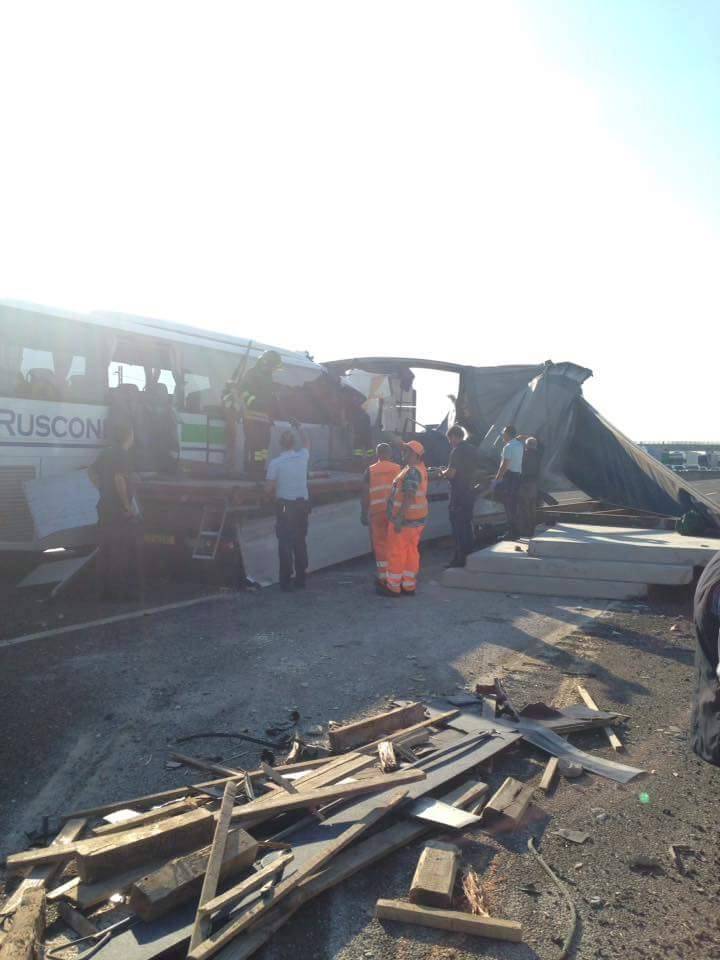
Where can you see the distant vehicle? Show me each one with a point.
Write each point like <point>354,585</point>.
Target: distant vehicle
<point>696,459</point>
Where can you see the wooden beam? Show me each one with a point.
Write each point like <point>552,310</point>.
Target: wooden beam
<point>43,875</point>
<point>151,799</point>
<point>549,774</point>
<point>336,770</point>
<point>322,795</point>
<point>151,816</point>
<point>434,879</point>
<point>103,856</point>
<point>311,866</point>
<point>23,941</point>
<point>201,927</point>
<point>358,733</point>
<point>449,920</point>
<point>434,721</point>
<point>178,881</point>
<point>242,889</point>
<point>615,741</point>
<point>503,798</point>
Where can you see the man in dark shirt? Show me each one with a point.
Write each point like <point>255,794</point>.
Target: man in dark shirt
<point>705,717</point>
<point>119,532</point>
<point>460,471</point>
<point>528,493</point>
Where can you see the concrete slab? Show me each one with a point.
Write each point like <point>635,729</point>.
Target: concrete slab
<point>504,558</point>
<point>542,586</point>
<point>626,544</point>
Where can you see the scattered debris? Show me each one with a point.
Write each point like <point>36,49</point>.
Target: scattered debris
<point>192,872</point>
<point>574,836</point>
<point>473,893</point>
<point>569,769</point>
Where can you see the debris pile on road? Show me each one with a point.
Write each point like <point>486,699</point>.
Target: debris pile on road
<point>214,869</point>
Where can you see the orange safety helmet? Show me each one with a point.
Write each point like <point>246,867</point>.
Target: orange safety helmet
<point>416,447</point>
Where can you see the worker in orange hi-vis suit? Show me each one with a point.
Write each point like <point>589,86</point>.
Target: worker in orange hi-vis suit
<point>407,512</point>
<point>377,487</point>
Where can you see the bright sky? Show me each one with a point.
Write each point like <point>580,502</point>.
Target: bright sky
<point>476,181</point>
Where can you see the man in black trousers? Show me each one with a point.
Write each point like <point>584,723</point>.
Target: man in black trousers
<point>287,482</point>
<point>705,718</point>
<point>460,471</point>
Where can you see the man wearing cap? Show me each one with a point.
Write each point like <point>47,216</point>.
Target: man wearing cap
<point>407,512</point>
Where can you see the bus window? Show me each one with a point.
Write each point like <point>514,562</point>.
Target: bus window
<point>143,363</point>
<point>45,357</point>
<point>204,374</point>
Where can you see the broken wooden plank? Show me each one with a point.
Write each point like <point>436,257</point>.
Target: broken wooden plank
<point>371,728</point>
<point>201,927</point>
<point>434,879</point>
<point>615,741</point>
<point>449,920</point>
<point>75,920</point>
<point>151,816</point>
<point>335,771</point>
<point>277,778</point>
<point>346,864</point>
<point>242,889</point>
<point>549,774</point>
<point>43,875</point>
<point>178,881</point>
<point>103,856</point>
<point>386,755</point>
<point>517,809</point>
<point>23,940</point>
<point>504,796</point>
<point>322,795</point>
<point>327,850</point>
<point>152,799</point>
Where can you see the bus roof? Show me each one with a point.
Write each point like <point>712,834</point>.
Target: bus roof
<point>163,329</point>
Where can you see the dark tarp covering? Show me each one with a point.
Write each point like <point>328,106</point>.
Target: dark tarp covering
<point>579,444</point>
<point>607,465</point>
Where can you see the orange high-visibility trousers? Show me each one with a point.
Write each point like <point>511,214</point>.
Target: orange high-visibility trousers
<point>379,525</point>
<point>403,558</point>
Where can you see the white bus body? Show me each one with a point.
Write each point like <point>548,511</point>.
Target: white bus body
<point>57,369</point>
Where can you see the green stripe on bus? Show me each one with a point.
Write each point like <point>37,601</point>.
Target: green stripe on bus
<point>198,433</point>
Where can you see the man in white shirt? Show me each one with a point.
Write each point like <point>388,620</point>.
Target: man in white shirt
<point>287,482</point>
<point>507,481</point>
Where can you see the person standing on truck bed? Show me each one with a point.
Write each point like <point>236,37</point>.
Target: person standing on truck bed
<point>119,531</point>
<point>376,489</point>
<point>287,482</point>
<point>253,399</point>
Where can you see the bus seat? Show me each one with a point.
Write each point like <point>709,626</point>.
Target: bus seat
<point>197,401</point>
<point>43,384</point>
<point>82,389</point>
